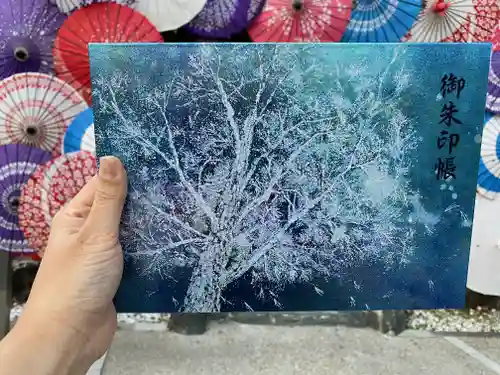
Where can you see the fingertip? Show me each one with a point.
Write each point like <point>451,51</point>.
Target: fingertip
<point>111,168</point>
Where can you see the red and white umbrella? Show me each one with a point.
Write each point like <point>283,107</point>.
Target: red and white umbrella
<point>50,187</point>
<point>36,109</point>
<point>96,23</point>
<point>301,21</point>
<point>455,21</point>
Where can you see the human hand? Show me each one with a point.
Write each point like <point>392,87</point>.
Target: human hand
<point>82,265</point>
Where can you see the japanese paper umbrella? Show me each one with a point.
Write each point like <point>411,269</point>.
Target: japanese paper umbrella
<point>488,181</point>
<point>36,109</point>
<point>455,21</point>
<point>301,20</point>
<point>27,32</point>
<point>96,23</point>
<point>17,163</point>
<point>80,133</point>
<point>50,187</point>
<point>220,19</point>
<point>169,15</point>
<point>492,98</point>
<point>381,20</point>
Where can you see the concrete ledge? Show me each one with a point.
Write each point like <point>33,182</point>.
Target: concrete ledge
<point>395,321</point>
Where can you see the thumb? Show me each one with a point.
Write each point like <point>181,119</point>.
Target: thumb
<point>111,190</point>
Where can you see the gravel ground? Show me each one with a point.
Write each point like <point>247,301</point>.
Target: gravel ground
<point>456,320</point>
<point>430,320</point>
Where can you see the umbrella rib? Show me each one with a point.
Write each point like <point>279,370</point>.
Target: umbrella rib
<point>59,93</point>
<point>16,103</point>
<point>127,33</point>
<point>414,17</point>
<point>90,24</point>
<point>38,17</point>
<point>8,117</point>
<point>60,73</point>
<point>7,158</point>
<point>107,28</point>
<point>448,23</point>
<point>429,30</point>
<point>364,36</point>
<point>263,30</point>
<point>459,16</point>
<point>38,21</point>
<point>64,119</point>
<point>381,11</point>
<point>365,16</point>
<point>115,36</point>
<point>42,113</point>
<point>69,40</point>
<point>75,51</point>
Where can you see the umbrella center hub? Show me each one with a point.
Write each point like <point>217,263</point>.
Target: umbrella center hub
<point>32,131</point>
<point>297,5</point>
<point>14,203</point>
<point>21,54</point>
<point>440,7</point>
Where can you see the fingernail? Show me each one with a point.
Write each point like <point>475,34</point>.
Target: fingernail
<point>109,167</point>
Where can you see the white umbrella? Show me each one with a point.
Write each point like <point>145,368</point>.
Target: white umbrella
<point>169,14</point>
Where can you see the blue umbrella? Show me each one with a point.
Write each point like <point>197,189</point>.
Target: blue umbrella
<point>488,180</point>
<point>381,20</point>
<point>80,133</point>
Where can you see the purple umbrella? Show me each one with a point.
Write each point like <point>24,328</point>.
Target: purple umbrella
<point>493,98</point>
<point>255,8</point>
<point>17,163</point>
<point>221,18</point>
<point>27,31</point>
<point>67,6</point>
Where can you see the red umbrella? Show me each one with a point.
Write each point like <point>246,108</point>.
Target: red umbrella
<point>301,21</point>
<point>455,21</point>
<point>50,187</point>
<point>96,23</point>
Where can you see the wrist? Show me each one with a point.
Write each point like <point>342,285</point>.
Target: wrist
<point>51,349</point>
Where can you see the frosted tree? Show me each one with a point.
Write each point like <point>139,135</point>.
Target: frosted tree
<point>265,162</point>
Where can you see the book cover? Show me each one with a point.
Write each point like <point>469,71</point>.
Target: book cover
<point>293,177</point>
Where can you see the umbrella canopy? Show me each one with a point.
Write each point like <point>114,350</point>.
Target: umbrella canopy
<point>96,23</point>
<point>50,187</point>
<point>67,6</point>
<point>169,14</point>
<point>488,181</point>
<point>301,21</point>
<point>17,163</point>
<point>80,134</point>
<point>27,32</point>
<point>492,99</point>
<point>36,109</point>
<point>495,39</point>
<point>255,9</point>
<point>220,19</point>
<point>455,21</point>
<point>381,20</point>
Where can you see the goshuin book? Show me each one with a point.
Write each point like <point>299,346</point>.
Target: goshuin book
<point>283,177</point>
